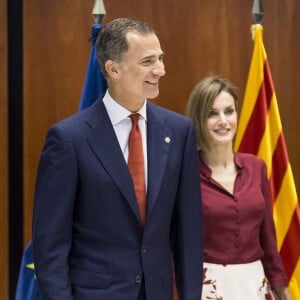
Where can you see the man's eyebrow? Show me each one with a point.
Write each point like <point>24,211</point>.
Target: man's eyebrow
<point>147,57</point>
<point>152,56</point>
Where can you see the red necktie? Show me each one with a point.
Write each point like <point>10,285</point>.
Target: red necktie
<point>136,165</point>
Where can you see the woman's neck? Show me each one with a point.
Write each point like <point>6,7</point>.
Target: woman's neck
<point>218,157</point>
<point>222,165</point>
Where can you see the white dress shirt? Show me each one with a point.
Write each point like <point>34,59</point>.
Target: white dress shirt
<point>119,117</point>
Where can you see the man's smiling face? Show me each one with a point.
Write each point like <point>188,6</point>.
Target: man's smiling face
<point>141,67</point>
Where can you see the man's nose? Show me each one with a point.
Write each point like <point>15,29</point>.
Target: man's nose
<point>159,69</point>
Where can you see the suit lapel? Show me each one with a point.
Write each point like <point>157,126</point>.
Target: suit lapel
<point>105,145</point>
<point>158,145</point>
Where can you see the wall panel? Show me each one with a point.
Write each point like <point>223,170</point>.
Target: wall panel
<point>3,154</point>
<point>56,51</point>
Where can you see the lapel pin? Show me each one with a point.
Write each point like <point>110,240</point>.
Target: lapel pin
<point>167,140</point>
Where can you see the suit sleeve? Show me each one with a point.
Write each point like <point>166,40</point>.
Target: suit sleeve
<point>55,194</point>
<point>187,233</point>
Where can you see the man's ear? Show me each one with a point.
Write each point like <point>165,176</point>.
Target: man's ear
<point>112,68</point>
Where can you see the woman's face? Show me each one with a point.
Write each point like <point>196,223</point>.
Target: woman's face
<point>222,120</point>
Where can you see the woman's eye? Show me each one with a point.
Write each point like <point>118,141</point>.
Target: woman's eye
<point>229,111</point>
<point>212,114</point>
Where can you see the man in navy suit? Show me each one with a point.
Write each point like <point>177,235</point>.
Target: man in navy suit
<point>89,242</point>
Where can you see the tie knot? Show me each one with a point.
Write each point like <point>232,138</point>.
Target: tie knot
<point>134,118</point>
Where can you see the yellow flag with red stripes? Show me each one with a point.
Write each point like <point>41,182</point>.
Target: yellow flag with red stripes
<point>260,133</point>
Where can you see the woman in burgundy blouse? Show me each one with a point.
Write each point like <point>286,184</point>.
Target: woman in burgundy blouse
<point>240,254</point>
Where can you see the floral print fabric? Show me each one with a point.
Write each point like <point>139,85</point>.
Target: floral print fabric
<point>235,282</point>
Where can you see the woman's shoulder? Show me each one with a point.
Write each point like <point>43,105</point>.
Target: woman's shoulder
<point>248,159</point>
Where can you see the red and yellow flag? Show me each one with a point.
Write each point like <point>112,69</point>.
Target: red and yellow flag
<point>260,132</point>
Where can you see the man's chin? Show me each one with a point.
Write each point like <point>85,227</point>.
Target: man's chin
<point>152,95</point>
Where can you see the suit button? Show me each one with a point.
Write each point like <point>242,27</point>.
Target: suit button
<point>144,249</point>
<point>138,279</point>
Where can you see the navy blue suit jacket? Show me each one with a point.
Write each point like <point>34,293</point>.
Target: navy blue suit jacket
<point>88,242</point>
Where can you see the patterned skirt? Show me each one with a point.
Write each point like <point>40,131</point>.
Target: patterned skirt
<point>235,282</point>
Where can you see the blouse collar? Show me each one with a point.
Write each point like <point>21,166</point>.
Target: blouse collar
<point>206,171</point>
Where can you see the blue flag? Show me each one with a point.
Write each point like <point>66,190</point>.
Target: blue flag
<point>26,287</point>
<point>94,87</point>
<point>95,83</point>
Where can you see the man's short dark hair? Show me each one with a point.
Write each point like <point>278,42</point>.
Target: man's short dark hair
<point>112,43</point>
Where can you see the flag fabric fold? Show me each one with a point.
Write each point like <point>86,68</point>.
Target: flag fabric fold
<point>260,132</point>
<point>93,88</point>
<point>26,287</point>
<point>95,83</point>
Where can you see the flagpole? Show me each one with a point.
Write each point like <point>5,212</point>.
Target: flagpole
<point>98,11</point>
<point>95,85</point>
<point>258,11</point>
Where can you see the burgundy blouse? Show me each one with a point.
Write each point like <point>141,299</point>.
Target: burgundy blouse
<point>238,227</point>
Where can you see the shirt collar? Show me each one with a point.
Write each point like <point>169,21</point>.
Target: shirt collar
<point>117,112</point>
